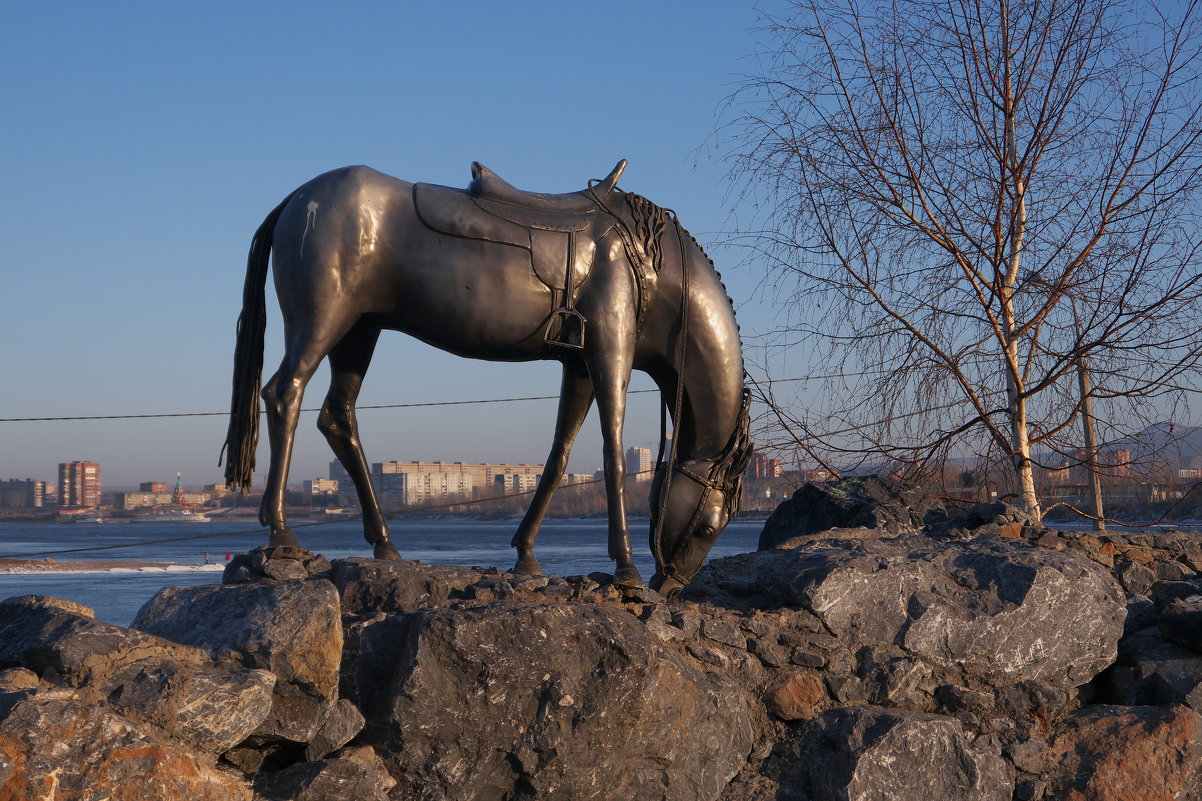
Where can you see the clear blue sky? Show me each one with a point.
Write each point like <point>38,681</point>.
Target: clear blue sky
<point>144,142</point>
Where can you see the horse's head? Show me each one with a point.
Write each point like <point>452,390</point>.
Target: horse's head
<point>686,523</point>
<point>689,511</point>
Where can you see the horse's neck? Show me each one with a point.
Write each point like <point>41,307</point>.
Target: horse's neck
<point>713,367</point>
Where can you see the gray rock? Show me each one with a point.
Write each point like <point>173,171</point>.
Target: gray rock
<point>210,708</point>
<point>335,779</point>
<point>148,677</point>
<point>377,586</point>
<point>885,504</point>
<point>291,628</point>
<point>872,754</point>
<point>1135,578</point>
<point>723,631</point>
<point>342,723</point>
<point>1165,592</point>
<point>868,754</point>
<point>62,644</point>
<point>273,563</point>
<point>55,745</point>
<point>1151,670</point>
<point>1000,608</point>
<point>564,701</point>
<point>1181,622</point>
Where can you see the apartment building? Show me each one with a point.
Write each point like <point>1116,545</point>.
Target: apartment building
<point>79,484</point>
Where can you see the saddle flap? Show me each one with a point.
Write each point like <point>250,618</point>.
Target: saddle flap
<point>549,250</point>
<point>451,211</point>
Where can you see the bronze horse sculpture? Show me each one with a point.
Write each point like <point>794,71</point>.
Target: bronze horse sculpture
<point>602,280</point>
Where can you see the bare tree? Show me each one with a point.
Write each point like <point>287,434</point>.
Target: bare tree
<point>966,200</point>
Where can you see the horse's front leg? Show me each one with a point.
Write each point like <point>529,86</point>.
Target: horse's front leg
<point>610,371</point>
<point>575,399</point>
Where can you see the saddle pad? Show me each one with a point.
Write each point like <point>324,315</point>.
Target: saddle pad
<point>452,211</point>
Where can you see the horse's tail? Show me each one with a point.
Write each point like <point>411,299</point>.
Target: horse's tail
<point>242,437</point>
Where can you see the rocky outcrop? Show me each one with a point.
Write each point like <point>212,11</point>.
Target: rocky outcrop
<point>291,628</point>
<point>54,744</point>
<point>972,655</point>
<point>555,710</point>
<point>973,608</point>
<point>883,504</point>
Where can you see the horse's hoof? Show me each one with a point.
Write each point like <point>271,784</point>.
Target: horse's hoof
<point>386,550</point>
<point>282,538</point>
<point>628,577</point>
<point>528,566</point>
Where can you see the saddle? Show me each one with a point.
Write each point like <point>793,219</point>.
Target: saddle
<point>489,188</point>
<point>558,231</point>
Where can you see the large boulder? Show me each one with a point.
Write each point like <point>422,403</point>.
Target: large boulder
<point>999,609</point>
<point>55,745</point>
<point>291,628</point>
<point>170,685</point>
<point>874,754</point>
<point>868,754</point>
<point>552,701</point>
<point>1109,753</point>
<point>886,505</point>
<point>62,640</point>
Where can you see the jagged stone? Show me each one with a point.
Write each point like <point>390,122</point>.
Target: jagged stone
<point>797,695</point>
<point>1152,670</point>
<point>342,723</point>
<point>57,641</point>
<point>1107,753</point>
<point>273,563</point>
<point>557,701</point>
<point>376,586</point>
<point>54,745</point>
<point>886,505</point>
<point>334,779</point>
<point>1135,577</point>
<point>291,628</point>
<point>1002,609</point>
<point>872,754</point>
<point>210,708</point>
<point>1181,622</point>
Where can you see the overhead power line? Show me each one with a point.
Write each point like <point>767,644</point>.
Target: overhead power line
<point>388,405</point>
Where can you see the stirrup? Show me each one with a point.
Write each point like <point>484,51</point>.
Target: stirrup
<point>565,329</point>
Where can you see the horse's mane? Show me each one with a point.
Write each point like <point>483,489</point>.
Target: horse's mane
<point>649,223</point>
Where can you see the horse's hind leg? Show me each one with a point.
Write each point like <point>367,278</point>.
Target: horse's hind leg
<point>282,396</point>
<point>349,361</point>
<point>575,398</point>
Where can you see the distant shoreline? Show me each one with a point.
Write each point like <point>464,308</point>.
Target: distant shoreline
<point>35,566</point>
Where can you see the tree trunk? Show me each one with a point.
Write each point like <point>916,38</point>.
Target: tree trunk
<point>1012,180</point>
